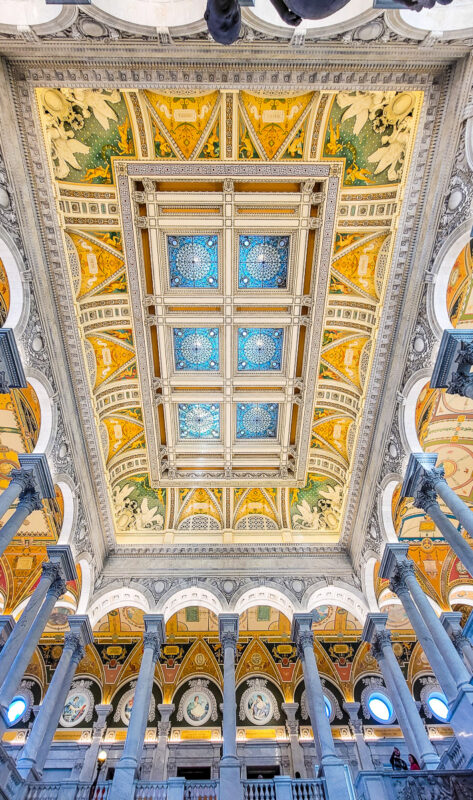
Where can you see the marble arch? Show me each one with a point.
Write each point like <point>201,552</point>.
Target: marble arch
<point>441,269</point>
<point>367,579</point>
<point>69,518</point>
<point>118,597</point>
<point>385,516</point>
<point>267,596</point>
<point>45,395</point>
<point>455,598</point>
<point>12,261</point>
<point>86,583</point>
<point>192,596</point>
<point>339,595</point>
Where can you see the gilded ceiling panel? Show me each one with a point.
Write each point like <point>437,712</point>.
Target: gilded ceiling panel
<point>229,254</point>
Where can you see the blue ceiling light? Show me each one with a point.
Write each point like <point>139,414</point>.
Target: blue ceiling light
<point>257,420</point>
<point>263,262</point>
<point>196,349</point>
<point>438,705</point>
<point>193,262</point>
<point>199,421</point>
<point>380,707</point>
<point>260,349</point>
<point>16,709</point>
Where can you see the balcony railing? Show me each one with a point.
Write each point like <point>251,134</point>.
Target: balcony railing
<point>201,790</point>
<point>259,790</point>
<point>419,785</point>
<point>273,790</point>
<point>150,790</point>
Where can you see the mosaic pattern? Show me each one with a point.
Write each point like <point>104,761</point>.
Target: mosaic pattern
<point>259,349</point>
<point>196,349</point>
<point>263,262</point>
<point>193,262</point>
<point>199,421</point>
<point>257,420</point>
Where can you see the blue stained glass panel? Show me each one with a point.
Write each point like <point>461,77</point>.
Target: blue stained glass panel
<point>199,421</point>
<point>257,420</point>
<point>263,262</point>
<point>260,349</point>
<point>193,262</point>
<point>196,349</point>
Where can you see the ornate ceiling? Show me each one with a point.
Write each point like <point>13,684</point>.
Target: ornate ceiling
<point>228,256</point>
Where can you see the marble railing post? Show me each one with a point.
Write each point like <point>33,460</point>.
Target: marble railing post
<point>356,727</point>
<point>159,767</point>
<point>125,771</point>
<point>89,766</point>
<point>35,751</point>
<point>405,708</point>
<point>332,767</point>
<point>230,785</point>
<point>60,565</point>
<point>23,657</point>
<point>451,622</point>
<point>292,727</point>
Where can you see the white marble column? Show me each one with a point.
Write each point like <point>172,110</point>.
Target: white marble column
<point>230,784</point>
<point>405,708</point>
<point>451,622</point>
<point>35,751</point>
<point>125,771</point>
<point>292,727</point>
<point>89,766</point>
<point>60,565</point>
<point>426,499</point>
<point>20,480</point>
<point>23,657</point>
<point>159,767</point>
<point>356,727</point>
<point>332,768</point>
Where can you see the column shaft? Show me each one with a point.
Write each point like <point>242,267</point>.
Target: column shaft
<point>459,545</point>
<point>139,714</point>
<point>440,636</point>
<point>26,650</point>
<point>17,636</point>
<point>315,699</point>
<point>406,711</point>
<point>457,506</point>
<point>39,741</point>
<point>29,503</point>
<point>9,495</point>
<point>292,727</point>
<point>434,656</point>
<point>229,701</point>
<point>87,773</point>
<point>159,768</point>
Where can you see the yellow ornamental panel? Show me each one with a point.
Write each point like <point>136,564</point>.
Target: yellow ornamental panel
<point>121,432</point>
<point>358,264</point>
<point>110,354</point>
<point>346,357</point>
<point>335,433</point>
<point>97,264</point>
<point>274,118</point>
<point>184,118</point>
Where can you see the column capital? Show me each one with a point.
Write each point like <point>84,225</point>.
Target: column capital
<point>398,583</point>
<point>375,623</point>
<point>301,633</point>
<point>73,642</point>
<point>455,356</point>
<point>165,711</point>
<point>80,626</point>
<point>460,383</point>
<point>57,588</point>
<point>155,633</point>
<point>451,622</point>
<point>30,499</point>
<point>12,375</point>
<point>228,629</point>
<point>103,711</point>
<point>395,553</point>
<point>379,643</point>
<point>426,494</point>
<point>61,554</point>
<point>37,465</point>
<point>352,709</point>
<point>290,710</point>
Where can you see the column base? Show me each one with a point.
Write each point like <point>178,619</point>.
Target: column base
<point>461,720</point>
<point>338,782</point>
<point>230,779</point>
<point>123,782</point>
<point>370,785</point>
<point>27,769</point>
<point>430,761</point>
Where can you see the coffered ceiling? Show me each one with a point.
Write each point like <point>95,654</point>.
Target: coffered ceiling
<point>228,256</point>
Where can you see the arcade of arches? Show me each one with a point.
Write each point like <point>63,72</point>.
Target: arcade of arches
<point>236,403</point>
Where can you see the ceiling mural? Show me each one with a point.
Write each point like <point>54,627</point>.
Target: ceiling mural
<point>212,370</point>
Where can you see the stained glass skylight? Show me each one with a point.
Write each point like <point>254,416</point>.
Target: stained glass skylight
<point>259,349</point>
<point>199,421</point>
<point>263,262</point>
<point>257,420</point>
<point>193,262</point>
<point>196,349</point>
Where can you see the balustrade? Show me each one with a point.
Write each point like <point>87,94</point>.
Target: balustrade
<point>259,790</point>
<point>423,785</point>
<point>150,790</point>
<point>308,790</point>
<point>201,790</point>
